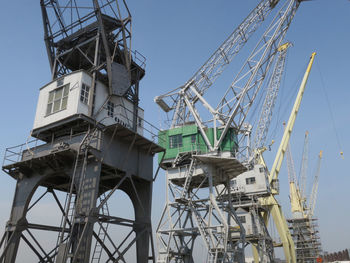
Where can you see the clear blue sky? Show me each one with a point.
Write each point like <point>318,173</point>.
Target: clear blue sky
<point>177,37</point>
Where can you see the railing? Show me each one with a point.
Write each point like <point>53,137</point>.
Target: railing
<point>138,58</point>
<point>15,153</point>
<point>26,150</point>
<point>127,117</point>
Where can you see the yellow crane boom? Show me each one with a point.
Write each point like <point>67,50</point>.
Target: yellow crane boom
<point>270,202</point>
<point>290,124</point>
<point>296,201</point>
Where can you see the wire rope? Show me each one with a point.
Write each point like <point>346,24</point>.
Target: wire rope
<point>330,110</point>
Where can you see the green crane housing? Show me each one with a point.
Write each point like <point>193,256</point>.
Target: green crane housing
<point>188,138</point>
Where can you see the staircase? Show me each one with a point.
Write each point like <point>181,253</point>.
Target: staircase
<point>188,178</point>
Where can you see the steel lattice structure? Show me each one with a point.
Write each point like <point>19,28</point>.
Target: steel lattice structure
<point>88,152</point>
<point>262,128</point>
<point>303,225</point>
<point>178,227</point>
<point>94,36</point>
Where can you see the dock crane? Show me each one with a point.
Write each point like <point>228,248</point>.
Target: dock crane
<point>269,201</point>
<point>313,195</point>
<point>205,145</point>
<point>303,224</point>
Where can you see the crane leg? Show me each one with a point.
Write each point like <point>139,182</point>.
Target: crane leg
<point>283,231</point>
<point>255,254</point>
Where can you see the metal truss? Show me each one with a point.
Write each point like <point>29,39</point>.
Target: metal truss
<point>194,210</point>
<point>256,232</point>
<point>236,103</point>
<point>262,128</point>
<point>84,232</point>
<point>106,249</point>
<point>304,166</point>
<point>214,66</point>
<point>94,36</point>
<point>306,238</point>
<point>239,97</point>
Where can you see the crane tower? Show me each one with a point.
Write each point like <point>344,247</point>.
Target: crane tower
<point>91,140</point>
<point>208,149</point>
<point>303,224</point>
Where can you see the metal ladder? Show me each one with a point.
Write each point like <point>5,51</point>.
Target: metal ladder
<point>188,178</point>
<point>96,255</point>
<point>202,227</point>
<point>70,201</point>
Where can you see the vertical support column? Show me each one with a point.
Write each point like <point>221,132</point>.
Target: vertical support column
<point>25,188</point>
<point>143,228</point>
<point>283,231</point>
<point>86,212</point>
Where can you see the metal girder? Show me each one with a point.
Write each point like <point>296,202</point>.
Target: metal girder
<point>85,186</point>
<point>239,97</point>
<point>199,212</point>
<point>290,124</point>
<point>196,86</point>
<point>304,166</point>
<point>270,202</point>
<point>275,210</point>
<point>91,35</point>
<point>313,194</point>
<point>263,125</point>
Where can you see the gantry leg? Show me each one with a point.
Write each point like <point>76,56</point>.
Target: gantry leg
<point>283,231</point>
<point>25,188</point>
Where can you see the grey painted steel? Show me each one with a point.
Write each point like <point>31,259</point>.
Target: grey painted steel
<point>238,99</point>
<point>215,65</point>
<point>94,36</point>
<point>187,215</point>
<point>196,209</point>
<point>262,128</point>
<point>82,158</point>
<point>111,163</point>
<point>244,192</point>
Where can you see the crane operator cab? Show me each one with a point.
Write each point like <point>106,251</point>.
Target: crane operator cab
<point>63,107</point>
<point>251,182</point>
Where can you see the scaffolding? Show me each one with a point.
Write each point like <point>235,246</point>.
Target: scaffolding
<point>306,239</point>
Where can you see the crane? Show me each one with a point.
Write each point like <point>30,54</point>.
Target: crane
<point>234,106</point>
<point>313,194</point>
<point>300,205</point>
<point>304,167</point>
<point>296,200</point>
<point>303,224</point>
<point>269,201</point>
<point>215,65</point>
<point>205,143</point>
<point>270,99</point>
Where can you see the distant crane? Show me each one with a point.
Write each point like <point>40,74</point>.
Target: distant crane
<point>303,224</point>
<point>300,204</point>
<point>269,201</point>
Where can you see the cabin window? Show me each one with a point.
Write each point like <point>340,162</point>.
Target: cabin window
<point>193,138</point>
<point>242,219</point>
<point>175,141</point>
<point>110,109</point>
<point>250,180</point>
<point>233,183</point>
<point>84,94</point>
<point>58,99</point>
